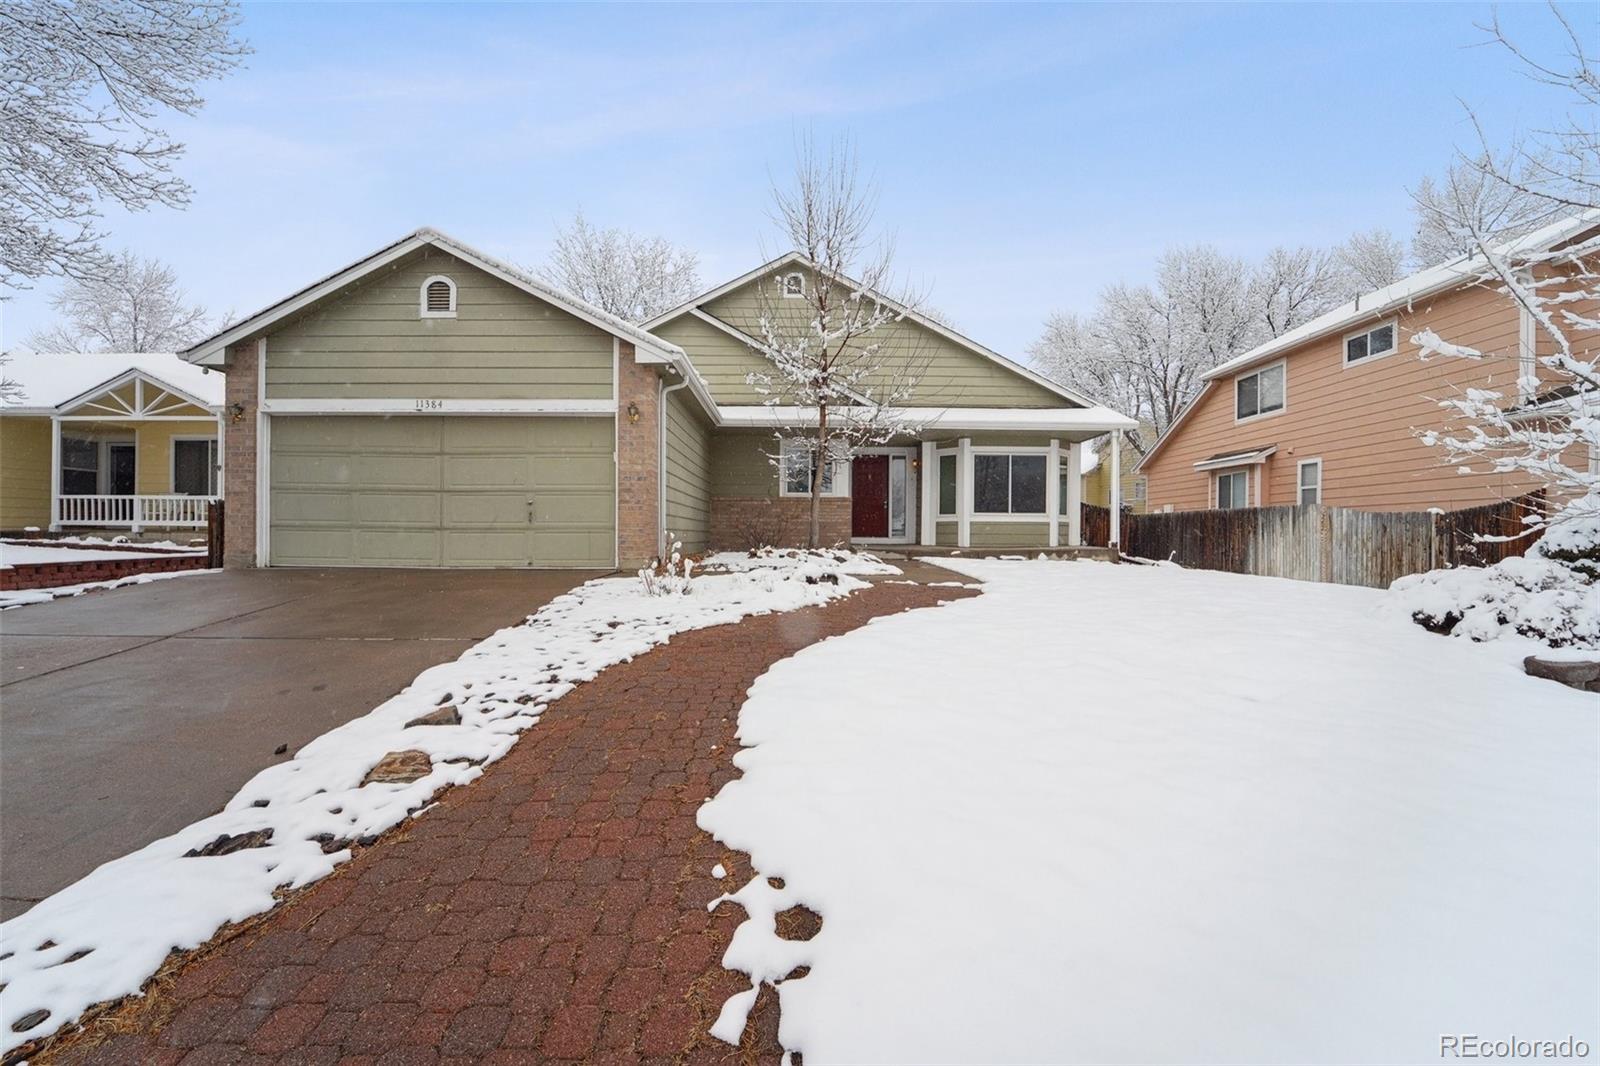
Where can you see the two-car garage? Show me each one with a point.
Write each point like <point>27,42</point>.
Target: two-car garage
<point>441,490</point>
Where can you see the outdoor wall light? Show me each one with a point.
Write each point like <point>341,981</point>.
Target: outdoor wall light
<point>633,411</point>
<point>236,412</point>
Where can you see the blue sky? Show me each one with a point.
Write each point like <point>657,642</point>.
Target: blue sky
<point>1025,156</point>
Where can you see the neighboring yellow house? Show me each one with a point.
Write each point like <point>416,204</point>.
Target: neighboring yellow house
<point>1097,472</point>
<point>108,442</point>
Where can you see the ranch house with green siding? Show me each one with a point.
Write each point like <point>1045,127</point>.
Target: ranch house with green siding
<point>430,405</point>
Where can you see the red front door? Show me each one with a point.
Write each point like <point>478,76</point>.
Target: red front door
<point>869,496</point>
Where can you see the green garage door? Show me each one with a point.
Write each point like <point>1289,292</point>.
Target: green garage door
<point>442,491</point>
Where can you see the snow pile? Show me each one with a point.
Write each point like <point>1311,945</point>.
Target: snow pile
<point>99,938</point>
<point>1552,594</point>
<point>26,596</point>
<point>832,560</point>
<point>1146,814</point>
<point>13,554</point>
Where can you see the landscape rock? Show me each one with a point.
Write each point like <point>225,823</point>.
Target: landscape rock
<point>400,767</point>
<point>228,843</point>
<point>1581,674</point>
<point>446,715</point>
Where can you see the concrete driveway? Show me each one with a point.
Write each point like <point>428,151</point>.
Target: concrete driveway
<point>126,715</point>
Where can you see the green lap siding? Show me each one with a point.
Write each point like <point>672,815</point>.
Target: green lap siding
<point>688,472</point>
<point>1009,534</point>
<point>741,464</point>
<point>370,342</point>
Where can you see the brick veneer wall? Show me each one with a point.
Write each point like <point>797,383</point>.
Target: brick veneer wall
<point>638,461</point>
<point>54,575</point>
<point>239,462</point>
<point>738,521</point>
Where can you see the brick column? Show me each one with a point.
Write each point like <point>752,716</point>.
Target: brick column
<point>242,372</point>
<point>638,461</point>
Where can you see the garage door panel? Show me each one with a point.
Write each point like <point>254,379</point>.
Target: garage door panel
<point>442,491</point>
<point>310,471</point>
<point>328,508</point>
<point>399,471</point>
<point>484,510</point>
<point>567,471</point>
<point>488,548</point>
<point>397,547</point>
<point>503,472</point>
<point>397,509</point>
<point>313,547</point>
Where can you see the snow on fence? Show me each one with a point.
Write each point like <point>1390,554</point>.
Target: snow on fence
<point>1336,544</point>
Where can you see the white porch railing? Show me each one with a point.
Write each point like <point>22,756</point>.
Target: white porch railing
<point>135,512</point>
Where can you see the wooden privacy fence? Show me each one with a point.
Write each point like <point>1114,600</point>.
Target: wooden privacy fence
<point>1337,544</point>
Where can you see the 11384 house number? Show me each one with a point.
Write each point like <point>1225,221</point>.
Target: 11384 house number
<point>430,405</point>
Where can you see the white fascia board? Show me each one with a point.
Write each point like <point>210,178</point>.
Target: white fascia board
<point>439,407</point>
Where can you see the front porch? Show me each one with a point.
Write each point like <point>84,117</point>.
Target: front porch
<point>133,454</point>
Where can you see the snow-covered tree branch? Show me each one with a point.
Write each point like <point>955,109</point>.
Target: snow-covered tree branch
<point>135,305</point>
<point>86,84</point>
<point>632,276</point>
<point>1546,426</point>
<point>823,326</point>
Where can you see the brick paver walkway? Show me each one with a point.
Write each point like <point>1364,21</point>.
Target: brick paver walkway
<point>553,909</point>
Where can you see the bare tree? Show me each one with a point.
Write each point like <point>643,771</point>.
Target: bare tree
<point>1550,426</point>
<point>1080,353</point>
<point>85,84</point>
<point>1473,197</point>
<point>135,305</point>
<point>1369,261</point>
<point>823,330</point>
<point>632,276</point>
<point>1292,286</point>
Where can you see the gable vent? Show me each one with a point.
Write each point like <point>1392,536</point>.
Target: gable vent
<point>438,298</point>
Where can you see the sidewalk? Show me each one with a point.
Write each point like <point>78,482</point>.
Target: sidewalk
<point>553,909</point>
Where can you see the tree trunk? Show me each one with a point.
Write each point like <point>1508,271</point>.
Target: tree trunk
<point>814,534</point>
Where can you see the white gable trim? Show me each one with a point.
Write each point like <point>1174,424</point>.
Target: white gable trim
<point>649,349</point>
<point>111,384</point>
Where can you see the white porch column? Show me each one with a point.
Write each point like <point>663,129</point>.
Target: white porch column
<point>928,515</point>
<point>222,454</point>
<point>964,492</point>
<point>1116,487</point>
<point>1052,491</point>
<point>1075,494</point>
<point>55,474</point>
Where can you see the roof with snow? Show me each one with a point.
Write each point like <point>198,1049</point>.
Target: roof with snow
<point>49,380</point>
<point>648,345</point>
<point>1380,302</point>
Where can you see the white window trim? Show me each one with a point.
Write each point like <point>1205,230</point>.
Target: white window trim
<point>1299,482</point>
<point>1344,345</point>
<point>1216,487</point>
<point>783,285</point>
<point>172,460</point>
<point>841,478</point>
<point>422,300</point>
<point>1009,516</point>
<point>1257,372</point>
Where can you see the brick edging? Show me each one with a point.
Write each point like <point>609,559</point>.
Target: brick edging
<point>20,576</point>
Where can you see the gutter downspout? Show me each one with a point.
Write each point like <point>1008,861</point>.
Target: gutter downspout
<point>663,392</point>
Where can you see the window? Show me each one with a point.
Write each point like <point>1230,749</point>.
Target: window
<point>1008,484</point>
<point>194,466</point>
<point>947,484</point>
<point>1310,481</point>
<point>80,466</point>
<point>438,297</point>
<point>1369,344</point>
<point>1260,393</point>
<point>1233,490</point>
<point>794,285</point>
<point>1139,489</point>
<point>796,473</point>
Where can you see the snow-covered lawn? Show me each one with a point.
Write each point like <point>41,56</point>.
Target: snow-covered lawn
<point>100,938</point>
<point>1142,814</point>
